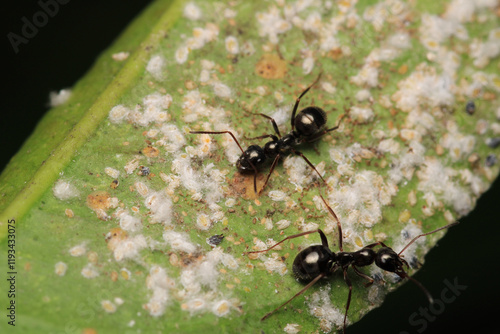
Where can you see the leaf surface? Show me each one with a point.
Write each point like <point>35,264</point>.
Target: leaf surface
<point>406,159</point>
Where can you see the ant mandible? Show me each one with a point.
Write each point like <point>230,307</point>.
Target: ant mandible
<point>307,126</point>
<point>318,261</point>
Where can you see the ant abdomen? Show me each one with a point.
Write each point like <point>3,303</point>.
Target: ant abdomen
<point>312,261</point>
<point>309,121</point>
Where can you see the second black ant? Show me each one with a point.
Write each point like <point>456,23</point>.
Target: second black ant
<point>318,261</point>
<point>307,126</point>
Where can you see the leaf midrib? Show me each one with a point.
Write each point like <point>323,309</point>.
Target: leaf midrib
<point>61,156</point>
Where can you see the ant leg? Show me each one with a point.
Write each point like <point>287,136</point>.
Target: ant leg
<point>296,295</point>
<point>275,162</point>
<point>275,126</point>
<point>321,134</point>
<point>324,132</point>
<point>376,244</point>
<point>424,234</point>
<point>366,277</point>
<point>255,183</point>
<point>310,164</point>
<point>218,133</point>
<point>324,241</point>
<point>349,284</point>
<point>298,100</point>
<point>338,222</point>
<point>262,137</point>
<point>237,143</point>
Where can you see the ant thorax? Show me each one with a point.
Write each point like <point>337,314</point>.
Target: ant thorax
<point>289,140</point>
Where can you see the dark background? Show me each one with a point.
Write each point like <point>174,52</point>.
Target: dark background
<point>63,51</point>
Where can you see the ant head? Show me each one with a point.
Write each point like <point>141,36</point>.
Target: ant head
<point>389,260</point>
<point>309,121</point>
<point>254,156</point>
<point>313,261</point>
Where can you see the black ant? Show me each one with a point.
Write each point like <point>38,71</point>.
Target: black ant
<point>307,126</point>
<point>318,261</point>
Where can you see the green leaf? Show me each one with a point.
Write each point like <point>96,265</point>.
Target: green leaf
<point>406,159</point>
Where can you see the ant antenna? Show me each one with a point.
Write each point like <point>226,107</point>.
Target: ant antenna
<point>424,234</point>
<point>405,275</point>
<point>292,120</point>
